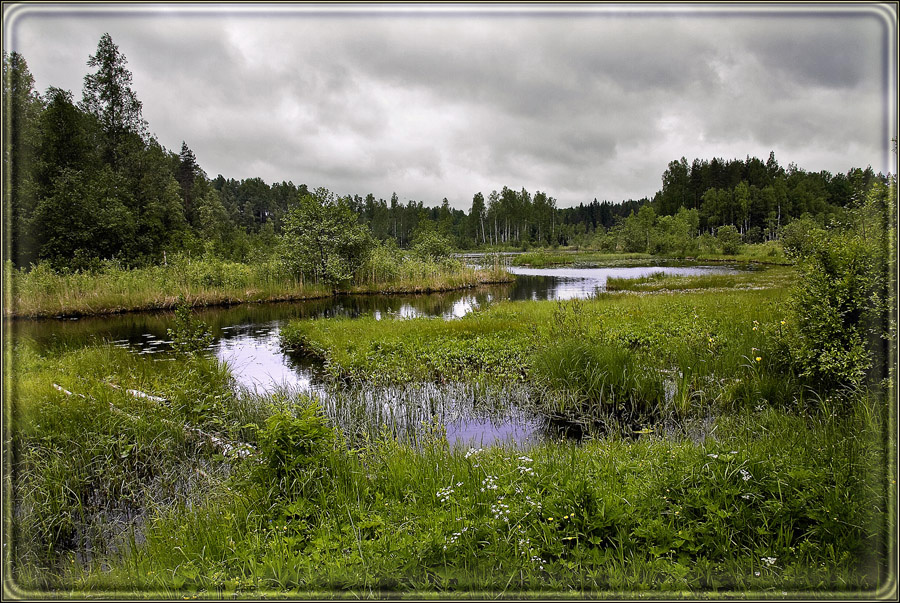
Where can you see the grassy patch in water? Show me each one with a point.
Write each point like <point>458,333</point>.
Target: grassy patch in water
<point>659,281</point>
<point>712,347</point>
<point>420,349</point>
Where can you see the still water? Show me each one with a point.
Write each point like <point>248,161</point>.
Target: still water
<point>247,338</point>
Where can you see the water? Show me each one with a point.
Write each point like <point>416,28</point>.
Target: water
<point>247,338</point>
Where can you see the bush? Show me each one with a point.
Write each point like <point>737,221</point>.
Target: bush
<point>431,245</point>
<point>798,236</point>
<point>189,336</point>
<point>841,308</point>
<point>291,444</point>
<point>729,239</point>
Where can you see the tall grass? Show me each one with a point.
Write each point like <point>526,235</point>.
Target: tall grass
<point>774,503</point>
<point>90,458</point>
<point>42,291</point>
<point>546,258</point>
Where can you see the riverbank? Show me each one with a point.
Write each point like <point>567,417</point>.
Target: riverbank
<point>43,292</point>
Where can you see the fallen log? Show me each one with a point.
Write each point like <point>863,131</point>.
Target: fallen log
<point>228,448</point>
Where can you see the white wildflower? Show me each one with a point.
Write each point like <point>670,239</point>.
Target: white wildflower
<point>473,451</point>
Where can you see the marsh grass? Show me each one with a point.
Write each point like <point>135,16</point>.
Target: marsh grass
<point>546,258</point>
<point>758,253</point>
<point>772,277</point>
<point>42,291</point>
<point>773,502</point>
<point>89,463</point>
<point>618,348</point>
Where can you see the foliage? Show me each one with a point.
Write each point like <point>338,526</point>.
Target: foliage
<point>841,308</point>
<point>729,239</point>
<point>429,244</point>
<point>323,240</point>
<point>189,336</point>
<point>292,441</point>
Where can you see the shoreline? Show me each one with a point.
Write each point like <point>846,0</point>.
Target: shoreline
<point>171,302</point>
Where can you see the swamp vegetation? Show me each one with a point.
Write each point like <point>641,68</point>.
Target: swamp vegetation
<point>695,447</point>
<point>714,434</point>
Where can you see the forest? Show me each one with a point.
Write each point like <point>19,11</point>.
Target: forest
<point>87,181</point>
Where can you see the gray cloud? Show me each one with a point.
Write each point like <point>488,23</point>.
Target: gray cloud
<point>588,104</point>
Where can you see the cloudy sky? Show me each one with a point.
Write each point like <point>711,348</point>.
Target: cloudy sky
<point>584,102</point>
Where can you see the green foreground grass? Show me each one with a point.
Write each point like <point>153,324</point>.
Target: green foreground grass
<point>741,477</point>
<point>776,501</point>
<point>43,292</point>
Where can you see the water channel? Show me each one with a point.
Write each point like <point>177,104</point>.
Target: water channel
<point>247,338</point>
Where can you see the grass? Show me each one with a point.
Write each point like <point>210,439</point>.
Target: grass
<point>775,501</point>
<point>759,253</point>
<point>42,291</point>
<point>782,491</point>
<point>704,343</point>
<point>773,277</point>
<point>547,258</point>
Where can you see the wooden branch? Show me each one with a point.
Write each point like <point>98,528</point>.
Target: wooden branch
<point>228,448</point>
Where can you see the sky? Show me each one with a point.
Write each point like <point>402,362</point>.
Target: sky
<point>431,101</point>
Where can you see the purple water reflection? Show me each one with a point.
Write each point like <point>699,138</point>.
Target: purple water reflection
<point>480,433</point>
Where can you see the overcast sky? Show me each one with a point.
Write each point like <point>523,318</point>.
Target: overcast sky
<point>584,102</point>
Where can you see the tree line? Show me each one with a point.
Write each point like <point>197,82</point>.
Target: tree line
<point>86,181</point>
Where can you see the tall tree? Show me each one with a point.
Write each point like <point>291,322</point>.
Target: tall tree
<point>187,174</point>
<point>21,111</point>
<point>107,95</point>
<point>477,215</point>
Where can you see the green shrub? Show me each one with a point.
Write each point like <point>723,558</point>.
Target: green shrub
<point>291,443</point>
<point>189,336</point>
<point>729,239</point>
<point>431,245</point>
<point>841,307</point>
